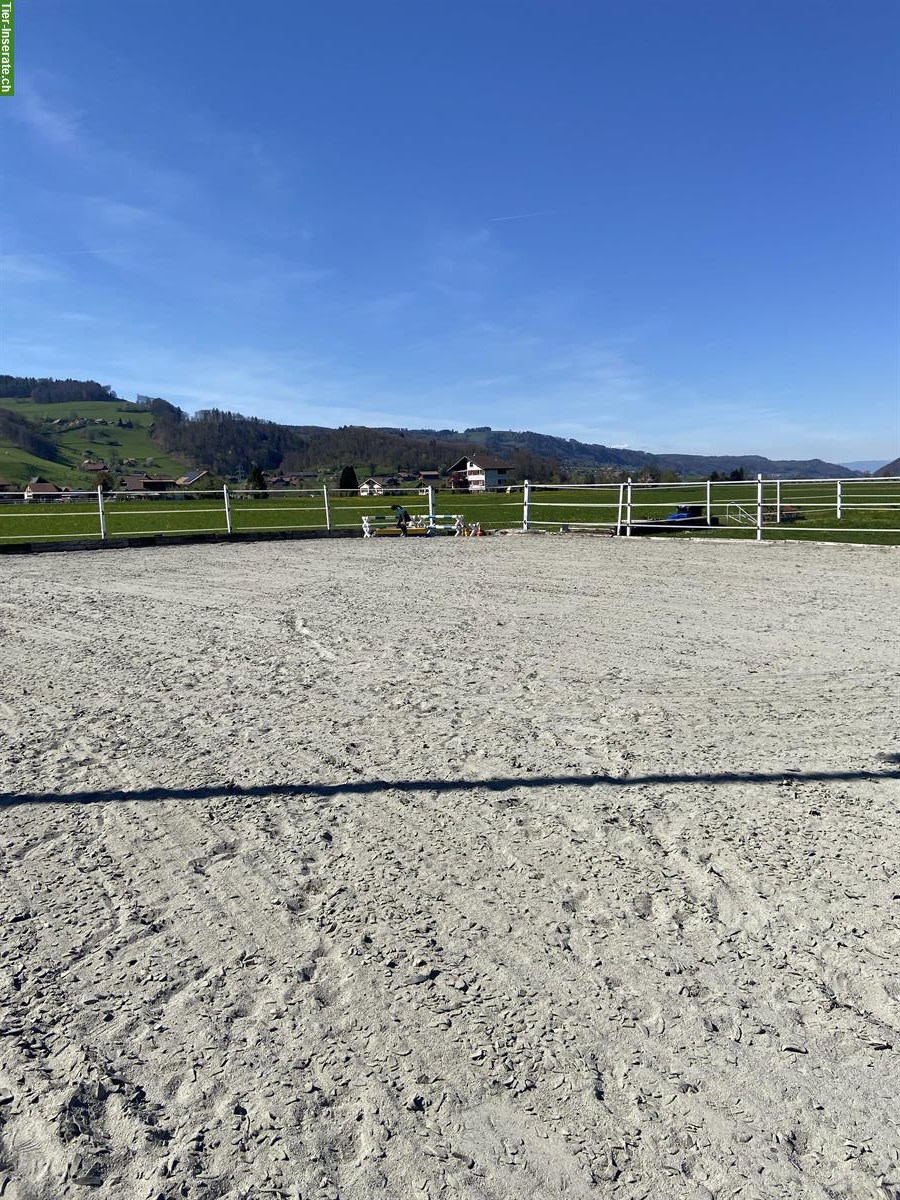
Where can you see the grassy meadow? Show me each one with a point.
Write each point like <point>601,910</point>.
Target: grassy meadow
<point>870,511</point>
<point>91,441</point>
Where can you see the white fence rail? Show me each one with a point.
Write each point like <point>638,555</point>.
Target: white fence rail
<point>107,515</point>
<point>761,504</point>
<point>750,507</point>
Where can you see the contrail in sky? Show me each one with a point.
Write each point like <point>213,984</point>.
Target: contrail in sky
<point>546,212</point>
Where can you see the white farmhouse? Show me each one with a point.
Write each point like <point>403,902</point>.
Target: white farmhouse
<point>484,474</point>
<point>40,489</point>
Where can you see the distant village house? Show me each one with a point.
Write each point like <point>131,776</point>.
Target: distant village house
<point>191,478</point>
<point>148,483</point>
<point>40,489</point>
<point>484,474</point>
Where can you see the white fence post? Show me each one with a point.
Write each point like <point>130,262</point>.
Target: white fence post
<point>777,501</point>
<point>838,500</point>
<point>102,514</point>
<point>227,501</point>
<point>708,503</point>
<point>628,510</point>
<point>327,506</point>
<point>619,513</point>
<point>430,505</point>
<point>759,508</point>
<point>526,505</point>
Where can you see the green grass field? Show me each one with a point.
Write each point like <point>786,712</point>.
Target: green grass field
<point>551,509</point>
<point>75,445</point>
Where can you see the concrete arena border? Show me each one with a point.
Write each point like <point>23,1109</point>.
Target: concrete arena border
<point>291,535</point>
<point>175,539</point>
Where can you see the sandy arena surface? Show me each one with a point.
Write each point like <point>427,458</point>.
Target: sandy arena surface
<point>521,867</point>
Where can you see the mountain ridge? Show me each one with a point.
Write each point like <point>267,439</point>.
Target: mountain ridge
<point>890,470</point>
<point>228,443</point>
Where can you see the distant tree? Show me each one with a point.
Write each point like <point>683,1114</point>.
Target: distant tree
<point>715,477</point>
<point>737,473</point>
<point>256,482</point>
<point>348,481</point>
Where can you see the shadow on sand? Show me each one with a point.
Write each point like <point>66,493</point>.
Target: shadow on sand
<point>364,787</point>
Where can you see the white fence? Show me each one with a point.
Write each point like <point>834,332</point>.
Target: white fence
<point>103,515</point>
<point>763,504</point>
<point>627,509</point>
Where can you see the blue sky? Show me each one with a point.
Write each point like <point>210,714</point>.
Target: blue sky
<point>667,225</point>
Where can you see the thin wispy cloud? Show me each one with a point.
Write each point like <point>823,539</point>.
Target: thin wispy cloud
<point>546,212</point>
<point>290,386</point>
<point>494,381</point>
<point>60,253</point>
<point>154,223</point>
<point>55,125</point>
<point>118,213</point>
<point>464,255</point>
<point>383,309</point>
<point>238,151</point>
<point>65,131</point>
<point>81,318</point>
<point>27,268</point>
<point>466,267</point>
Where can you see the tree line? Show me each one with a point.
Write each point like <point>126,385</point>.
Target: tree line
<point>54,391</point>
<point>230,444</point>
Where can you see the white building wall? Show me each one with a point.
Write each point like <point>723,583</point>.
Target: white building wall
<point>475,476</point>
<point>480,480</point>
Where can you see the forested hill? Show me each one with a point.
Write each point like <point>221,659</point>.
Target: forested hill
<point>575,456</point>
<point>225,442</point>
<point>32,412</point>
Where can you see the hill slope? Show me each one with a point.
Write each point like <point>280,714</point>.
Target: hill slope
<point>53,440</point>
<point>51,427</point>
